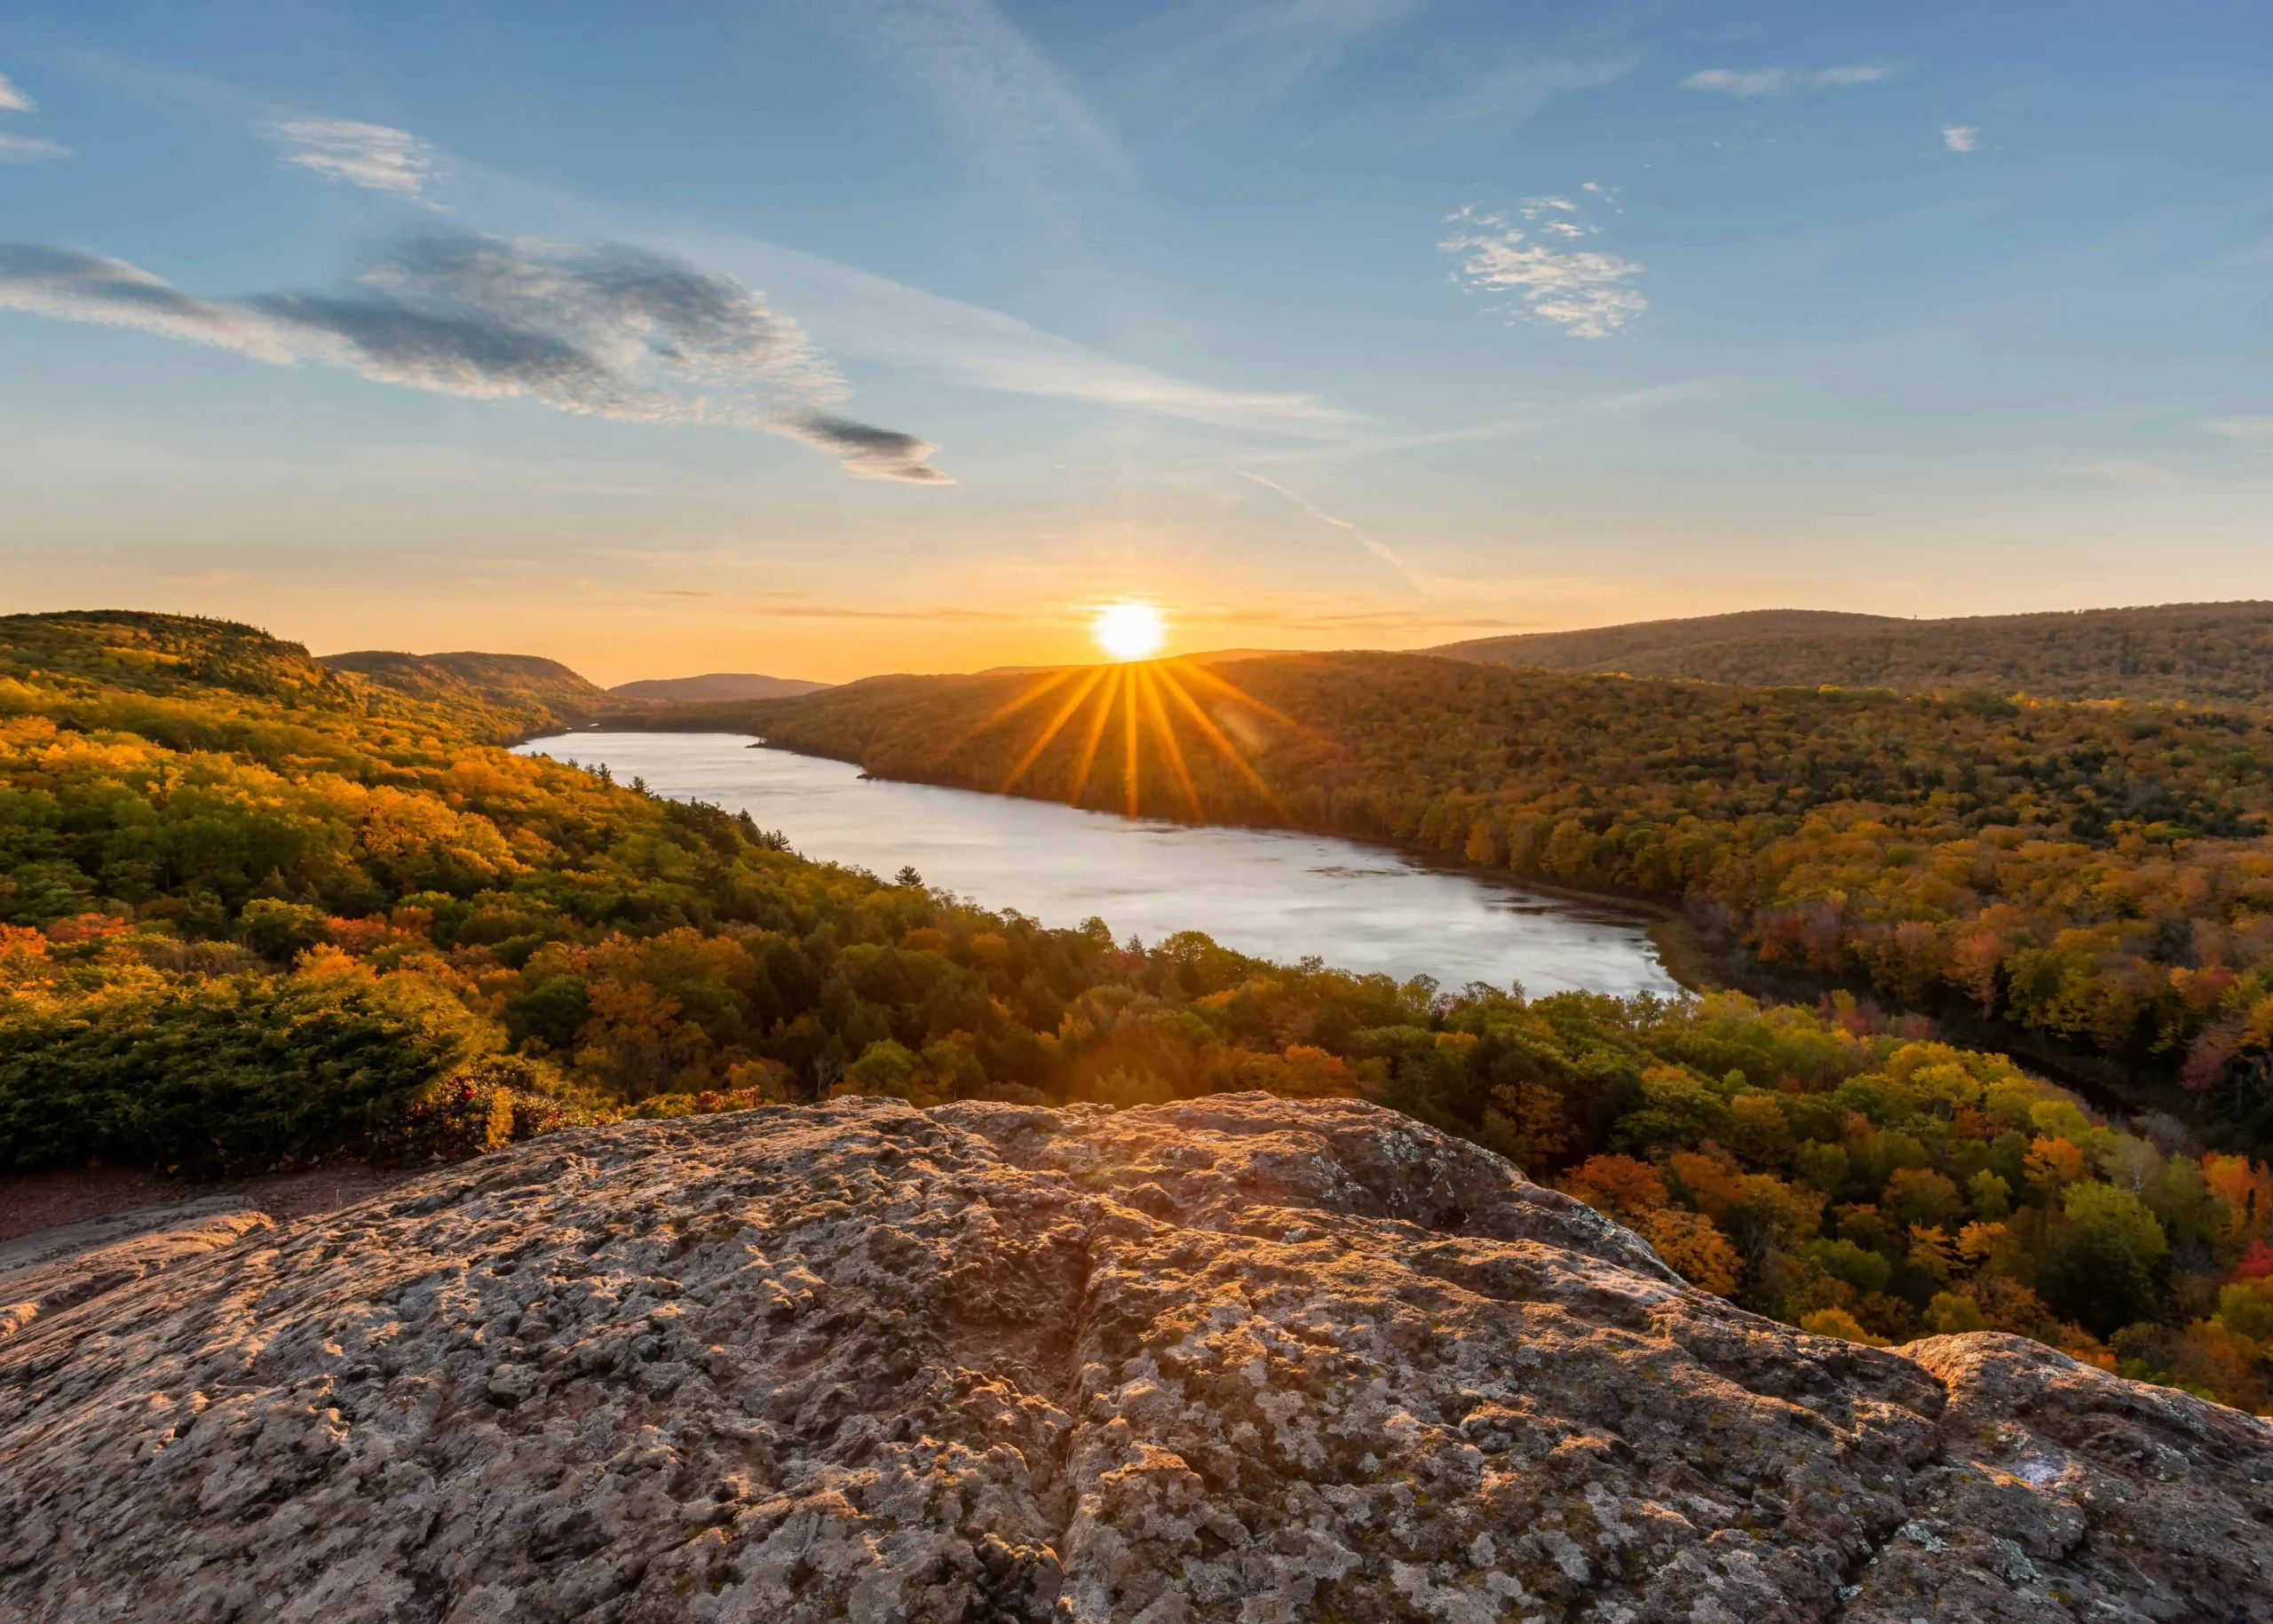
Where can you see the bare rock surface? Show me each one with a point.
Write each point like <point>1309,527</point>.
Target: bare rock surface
<point>1233,1359</point>
<point>56,1269</point>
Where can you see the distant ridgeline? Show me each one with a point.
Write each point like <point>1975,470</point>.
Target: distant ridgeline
<point>255,910</point>
<point>715,685</point>
<point>530,693</point>
<point>2096,873</point>
<point>2202,652</point>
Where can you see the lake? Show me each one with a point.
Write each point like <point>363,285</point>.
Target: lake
<point>1273,894</point>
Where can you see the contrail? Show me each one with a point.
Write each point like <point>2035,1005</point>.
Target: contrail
<point>1433,586</point>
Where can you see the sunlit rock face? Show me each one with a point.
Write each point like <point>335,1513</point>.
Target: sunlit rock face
<point>1236,1359</point>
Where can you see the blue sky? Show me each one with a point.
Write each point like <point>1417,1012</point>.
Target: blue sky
<point>833,338</point>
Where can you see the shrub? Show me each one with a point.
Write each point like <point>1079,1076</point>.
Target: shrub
<point>205,1077</point>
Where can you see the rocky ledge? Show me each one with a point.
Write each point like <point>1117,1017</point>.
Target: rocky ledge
<point>1240,1358</point>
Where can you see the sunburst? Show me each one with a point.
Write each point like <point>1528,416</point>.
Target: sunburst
<point>1153,706</point>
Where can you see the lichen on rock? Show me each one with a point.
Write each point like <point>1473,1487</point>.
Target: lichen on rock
<point>1240,1358</point>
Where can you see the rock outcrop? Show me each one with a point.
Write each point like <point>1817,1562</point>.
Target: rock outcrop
<point>51,1271</point>
<point>1240,1359</point>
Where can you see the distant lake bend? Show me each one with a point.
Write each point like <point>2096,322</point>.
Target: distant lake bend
<point>1271,893</point>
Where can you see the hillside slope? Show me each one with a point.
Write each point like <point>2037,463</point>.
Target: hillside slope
<point>535,693</point>
<point>1233,1359</point>
<point>2204,653</point>
<point>713,686</point>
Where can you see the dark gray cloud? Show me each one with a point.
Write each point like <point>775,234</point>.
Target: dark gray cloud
<point>870,452</point>
<point>457,355</point>
<point>611,331</point>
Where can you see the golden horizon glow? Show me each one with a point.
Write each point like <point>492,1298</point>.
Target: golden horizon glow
<point>1143,701</point>
<point>1127,631</point>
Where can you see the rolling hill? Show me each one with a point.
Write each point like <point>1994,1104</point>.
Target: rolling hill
<point>714,687</point>
<point>533,692</point>
<point>2218,653</point>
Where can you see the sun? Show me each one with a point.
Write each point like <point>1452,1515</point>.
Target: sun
<point>1129,630</point>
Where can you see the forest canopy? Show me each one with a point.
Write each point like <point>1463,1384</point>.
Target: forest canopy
<point>2096,874</point>
<point>257,912</point>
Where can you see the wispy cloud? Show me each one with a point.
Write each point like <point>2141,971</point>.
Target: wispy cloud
<point>1746,81</point>
<point>1581,290</point>
<point>990,84</point>
<point>1961,138</point>
<point>2244,428</point>
<point>1520,426</point>
<point>373,156</point>
<point>860,315</point>
<point>25,148</point>
<point>1232,57</point>
<point>856,312</point>
<point>1851,73</point>
<point>1516,90</point>
<point>612,331</point>
<point>30,149</point>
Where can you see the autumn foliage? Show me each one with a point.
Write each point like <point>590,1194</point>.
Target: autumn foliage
<point>2095,874</point>
<point>256,913</point>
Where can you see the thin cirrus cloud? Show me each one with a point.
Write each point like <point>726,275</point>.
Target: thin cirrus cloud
<point>2244,428</point>
<point>374,156</point>
<point>24,148</point>
<point>1517,91</point>
<point>859,314</point>
<point>1747,82</point>
<point>1537,269</point>
<point>614,331</point>
<point>1231,59</point>
<point>989,84</point>
<point>1961,138</point>
<point>30,149</point>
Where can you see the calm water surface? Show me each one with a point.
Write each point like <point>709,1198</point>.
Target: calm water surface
<point>1275,895</point>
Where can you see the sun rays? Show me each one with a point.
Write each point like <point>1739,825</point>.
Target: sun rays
<point>1149,711</point>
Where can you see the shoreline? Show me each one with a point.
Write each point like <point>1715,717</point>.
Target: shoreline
<point>1693,961</point>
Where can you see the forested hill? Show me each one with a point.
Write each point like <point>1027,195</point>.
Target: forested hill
<point>2097,874</point>
<point>532,694</point>
<point>2199,652</point>
<point>713,686</point>
<point>255,911</point>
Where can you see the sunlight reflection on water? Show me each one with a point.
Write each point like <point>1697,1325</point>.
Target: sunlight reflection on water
<point>1273,894</point>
